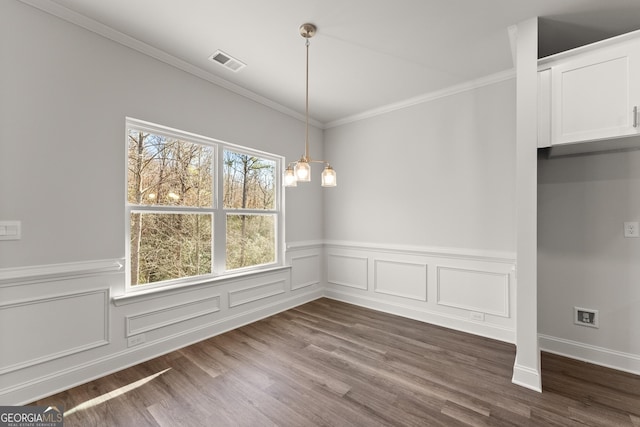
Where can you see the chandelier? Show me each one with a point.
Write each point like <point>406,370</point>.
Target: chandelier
<point>300,171</point>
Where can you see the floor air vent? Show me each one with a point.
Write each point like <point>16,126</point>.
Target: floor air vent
<point>227,61</point>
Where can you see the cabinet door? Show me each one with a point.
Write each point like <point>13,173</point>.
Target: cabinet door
<point>594,95</point>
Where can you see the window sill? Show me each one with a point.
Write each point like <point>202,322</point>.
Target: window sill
<point>159,292</point>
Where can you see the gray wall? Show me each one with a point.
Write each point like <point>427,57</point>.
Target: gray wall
<point>422,222</point>
<point>437,174</point>
<point>65,95</point>
<point>584,259</point>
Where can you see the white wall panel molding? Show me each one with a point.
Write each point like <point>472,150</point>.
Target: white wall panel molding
<point>257,292</point>
<point>467,291</point>
<point>402,279</point>
<point>347,270</point>
<point>156,319</point>
<point>305,271</point>
<point>430,251</point>
<point>476,290</point>
<point>69,376</point>
<point>592,354</point>
<point>302,245</point>
<point>43,273</point>
<point>145,295</point>
<point>66,324</point>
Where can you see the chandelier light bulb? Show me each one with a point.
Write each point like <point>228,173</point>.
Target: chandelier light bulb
<point>329,177</point>
<point>290,177</point>
<point>303,171</point>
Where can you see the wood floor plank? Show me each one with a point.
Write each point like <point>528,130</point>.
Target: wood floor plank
<point>328,363</point>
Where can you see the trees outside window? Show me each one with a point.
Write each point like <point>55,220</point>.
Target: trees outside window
<point>184,192</point>
<point>249,192</point>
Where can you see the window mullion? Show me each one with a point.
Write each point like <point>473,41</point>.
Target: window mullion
<point>219,217</point>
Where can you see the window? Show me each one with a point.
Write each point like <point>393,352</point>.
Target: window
<point>198,207</point>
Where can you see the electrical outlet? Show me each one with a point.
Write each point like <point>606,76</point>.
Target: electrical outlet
<point>135,340</point>
<point>585,317</point>
<point>474,315</point>
<point>631,229</point>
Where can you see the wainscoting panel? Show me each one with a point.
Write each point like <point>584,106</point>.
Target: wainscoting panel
<point>348,271</point>
<point>305,271</point>
<point>63,325</point>
<point>156,319</point>
<point>402,279</point>
<point>474,290</point>
<point>253,293</point>
<point>42,329</point>
<point>463,289</point>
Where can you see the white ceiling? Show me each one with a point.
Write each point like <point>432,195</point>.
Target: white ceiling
<point>367,54</point>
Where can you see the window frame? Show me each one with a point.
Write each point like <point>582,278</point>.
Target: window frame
<point>217,209</point>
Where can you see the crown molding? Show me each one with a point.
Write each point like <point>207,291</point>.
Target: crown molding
<point>427,97</point>
<point>94,26</point>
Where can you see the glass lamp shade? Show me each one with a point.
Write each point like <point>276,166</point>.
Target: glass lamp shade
<point>290,177</point>
<point>303,171</point>
<point>329,177</point>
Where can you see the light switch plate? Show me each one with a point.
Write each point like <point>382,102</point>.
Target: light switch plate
<point>631,229</point>
<point>10,230</point>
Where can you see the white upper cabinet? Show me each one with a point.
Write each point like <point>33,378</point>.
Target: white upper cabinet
<point>590,93</point>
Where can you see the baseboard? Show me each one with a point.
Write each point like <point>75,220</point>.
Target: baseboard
<point>24,393</point>
<point>423,315</point>
<point>618,360</point>
<point>527,377</point>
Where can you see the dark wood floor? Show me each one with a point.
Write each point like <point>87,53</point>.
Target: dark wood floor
<point>328,363</point>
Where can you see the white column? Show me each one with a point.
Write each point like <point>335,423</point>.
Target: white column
<point>526,371</point>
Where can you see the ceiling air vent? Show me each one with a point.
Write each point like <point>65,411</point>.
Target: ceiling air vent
<point>227,61</point>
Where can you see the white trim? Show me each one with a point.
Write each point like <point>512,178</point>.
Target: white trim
<point>608,358</point>
<point>295,286</point>
<point>268,294</point>
<point>130,331</point>
<point>365,287</point>
<point>43,273</point>
<point>159,292</point>
<point>53,356</point>
<point>506,284</point>
<point>438,252</point>
<point>215,210</point>
<point>304,285</point>
<point>376,288</point>
<point>527,378</point>
<point>309,244</point>
<point>428,97</point>
<point>54,382</point>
